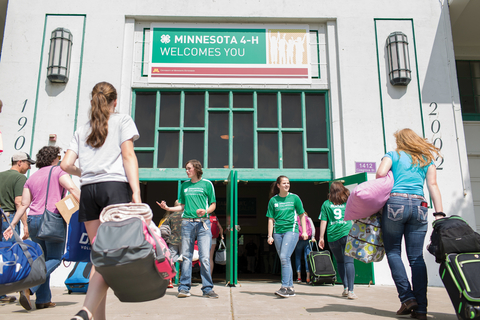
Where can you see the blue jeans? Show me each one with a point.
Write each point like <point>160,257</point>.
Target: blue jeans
<point>405,217</point>
<point>346,268</point>
<point>285,244</point>
<point>192,231</point>
<point>53,252</point>
<point>5,225</point>
<point>302,247</point>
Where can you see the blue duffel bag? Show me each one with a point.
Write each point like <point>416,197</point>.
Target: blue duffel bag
<point>22,264</point>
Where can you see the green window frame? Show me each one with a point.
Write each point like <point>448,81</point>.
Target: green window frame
<point>254,172</point>
<point>468,77</point>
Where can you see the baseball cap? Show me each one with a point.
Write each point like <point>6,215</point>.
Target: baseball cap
<point>22,156</point>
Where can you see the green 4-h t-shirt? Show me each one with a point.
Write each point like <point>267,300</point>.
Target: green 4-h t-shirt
<point>285,211</point>
<point>334,214</point>
<point>198,195</point>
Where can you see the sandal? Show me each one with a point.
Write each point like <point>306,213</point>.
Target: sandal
<point>81,315</point>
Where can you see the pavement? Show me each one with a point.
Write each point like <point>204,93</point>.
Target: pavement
<point>248,300</point>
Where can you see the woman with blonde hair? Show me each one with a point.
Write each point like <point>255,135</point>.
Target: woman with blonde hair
<point>332,218</point>
<point>405,216</point>
<point>108,171</point>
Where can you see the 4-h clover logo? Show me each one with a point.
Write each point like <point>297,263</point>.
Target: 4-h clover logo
<point>165,38</point>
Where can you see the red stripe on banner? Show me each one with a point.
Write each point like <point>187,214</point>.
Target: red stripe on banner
<point>231,72</point>
<point>225,76</point>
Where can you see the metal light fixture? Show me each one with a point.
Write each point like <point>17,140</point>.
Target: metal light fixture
<point>59,57</point>
<point>398,60</point>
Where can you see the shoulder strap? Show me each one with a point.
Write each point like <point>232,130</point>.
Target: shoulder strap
<point>48,186</point>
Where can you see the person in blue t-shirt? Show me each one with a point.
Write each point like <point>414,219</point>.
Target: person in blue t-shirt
<point>405,216</point>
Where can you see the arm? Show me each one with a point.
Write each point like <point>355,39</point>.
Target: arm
<point>434,190</point>
<point>25,200</point>
<point>67,182</point>
<point>323,227</point>
<point>68,164</point>
<point>270,231</point>
<point>304,227</point>
<point>211,208</point>
<point>313,228</point>
<point>384,167</point>
<point>221,229</point>
<point>164,206</point>
<point>130,164</point>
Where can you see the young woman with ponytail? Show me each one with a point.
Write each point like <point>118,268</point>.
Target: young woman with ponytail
<point>108,171</point>
<point>283,209</point>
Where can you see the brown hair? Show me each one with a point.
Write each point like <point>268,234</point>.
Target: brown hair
<point>46,156</point>
<point>103,94</point>
<point>421,151</point>
<point>338,193</point>
<point>197,166</point>
<point>274,187</point>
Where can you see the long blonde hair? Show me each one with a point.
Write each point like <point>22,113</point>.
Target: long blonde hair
<point>103,94</point>
<point>421,151</point>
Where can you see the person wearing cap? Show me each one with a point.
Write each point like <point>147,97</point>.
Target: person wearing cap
<point>11,189</point>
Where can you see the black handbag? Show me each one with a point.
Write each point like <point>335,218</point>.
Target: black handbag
<point>52,227</point>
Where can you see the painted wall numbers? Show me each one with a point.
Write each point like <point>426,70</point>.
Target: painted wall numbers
<point>435,128</point>
<point>22,122</point>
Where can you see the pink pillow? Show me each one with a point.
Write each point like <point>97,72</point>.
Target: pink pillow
<point>369,197</point>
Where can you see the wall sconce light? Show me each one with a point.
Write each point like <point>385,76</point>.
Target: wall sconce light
<point>59,57</point>
<point>398,60</point>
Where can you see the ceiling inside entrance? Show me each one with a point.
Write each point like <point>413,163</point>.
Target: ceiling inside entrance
<point>465,28</point>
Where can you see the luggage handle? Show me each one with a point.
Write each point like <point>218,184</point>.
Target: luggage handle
<point>310,244</point>
<point>159,256</point>
<point>19,240</point>
<point>222,246</point>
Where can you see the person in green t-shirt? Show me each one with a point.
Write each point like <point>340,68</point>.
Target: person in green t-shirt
<point>283,209</point>
<point>332,219</point>
<point>197,201</point>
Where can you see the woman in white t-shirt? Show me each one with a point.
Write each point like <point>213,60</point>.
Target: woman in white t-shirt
<point>108,171</point>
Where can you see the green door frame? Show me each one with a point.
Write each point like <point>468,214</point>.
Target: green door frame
<point>232,235</point>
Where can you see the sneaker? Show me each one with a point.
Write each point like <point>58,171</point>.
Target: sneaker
<point>299,280</point>
<point>282,292</point>
<point>291,292</point>
<point>345,293</point>
<point>180,258</point>
<point>351,295</point>
<point>183,294</point>
<point>7,299</point>
<point>211,294</point>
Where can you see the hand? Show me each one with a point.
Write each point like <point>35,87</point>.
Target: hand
<point>304,236</point>
<point>201,212</point>
<point>163,205</point>
<point>7,234</point>
<point>136,197</point>
<point>26,234</point>
<point>321,243</point>
<point>270,240</point>
<point>222,237</point>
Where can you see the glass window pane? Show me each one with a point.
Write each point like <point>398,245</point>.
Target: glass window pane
<point>291,110</point>
<point>465,86</point>
<point>145,118</point>
<point>268,150</point>
<point>167,150</point>
<point>218,100</point>
<point>193,146</point>
<point>243,100</point>
<point>218,140</point>
<point>292,150</point>
<point>267,110</point>
<point>315,120</point>
<point>318,160</point>
<point>194,109</point>
<point>477,104</point>
<point>475,68</point>
<point>145,159</point>
<point>243,140</point>
<point>169,109</point>
<point>463,69</point>
<point>476,86</point>
<point>467,103</point>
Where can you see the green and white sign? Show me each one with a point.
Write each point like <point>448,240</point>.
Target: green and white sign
<point>229,53</point>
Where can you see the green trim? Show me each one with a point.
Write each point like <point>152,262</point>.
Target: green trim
<point>255,132</point>
<point>327,124</point>
<point>459,308</point>
<point>318,54</point>
<point>418,78</point>
<point>143,52</point>
<point>279,125</point>
<point>206,123</point>
<point>380,88</point>
<point>80,74</point>
<point>304,133</point>
<point>471,116</point>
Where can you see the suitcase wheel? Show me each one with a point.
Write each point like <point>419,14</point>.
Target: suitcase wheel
<point>69,291</point>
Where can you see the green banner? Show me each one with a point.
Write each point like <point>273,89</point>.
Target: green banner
<point>209,45</point>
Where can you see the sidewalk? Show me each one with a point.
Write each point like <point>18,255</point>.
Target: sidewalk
<point>249,300</point>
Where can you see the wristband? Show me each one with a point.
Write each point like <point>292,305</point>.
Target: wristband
<point>439,214</point>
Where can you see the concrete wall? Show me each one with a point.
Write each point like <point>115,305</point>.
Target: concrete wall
<point>365,109</point>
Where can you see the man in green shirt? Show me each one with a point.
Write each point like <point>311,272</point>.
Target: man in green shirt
<point>197,201</point>
<point>11,189</point>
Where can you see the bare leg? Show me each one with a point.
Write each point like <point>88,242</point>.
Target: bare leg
<point>299,275</point>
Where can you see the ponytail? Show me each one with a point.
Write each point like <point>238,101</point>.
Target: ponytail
<point>103,94</point>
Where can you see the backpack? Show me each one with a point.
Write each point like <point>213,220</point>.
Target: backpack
<point>452,235</point>
<point>309,227</point>
<point>214,227</point>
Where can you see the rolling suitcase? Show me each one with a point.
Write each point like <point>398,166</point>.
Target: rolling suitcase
<point>321,266</point>
<point>459,273</point>
<point>77,280</point>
